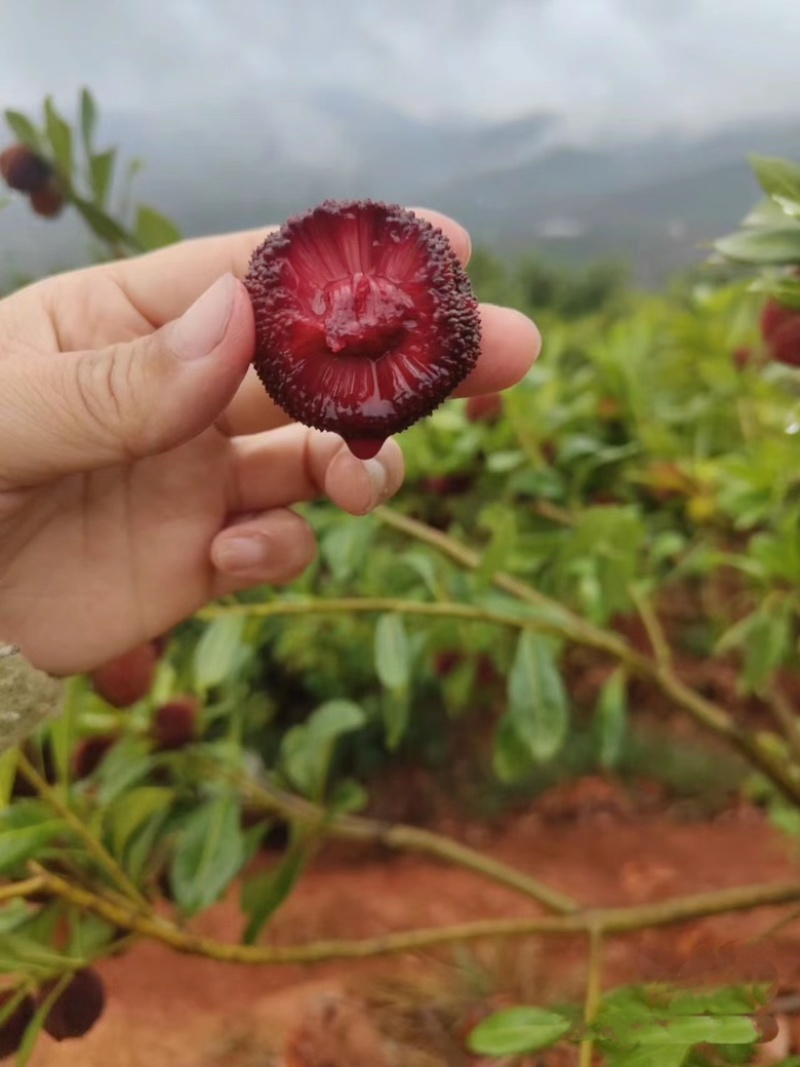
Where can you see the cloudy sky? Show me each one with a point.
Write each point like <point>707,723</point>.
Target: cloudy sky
<point>627,66</point>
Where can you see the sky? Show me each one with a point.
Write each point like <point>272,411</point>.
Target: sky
<point>606,66</point>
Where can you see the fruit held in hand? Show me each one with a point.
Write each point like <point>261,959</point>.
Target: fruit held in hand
<point>78,1008</point>
<point>23,170</point>
<point>365,320</point>
<point>128,678</point>
<point>780,328</point>
<point>12,1031</point>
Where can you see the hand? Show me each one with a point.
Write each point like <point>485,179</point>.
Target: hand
<point>143,469</point>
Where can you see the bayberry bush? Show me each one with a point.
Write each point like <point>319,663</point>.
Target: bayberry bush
<point>633,505</point>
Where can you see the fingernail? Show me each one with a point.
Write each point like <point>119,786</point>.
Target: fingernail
<point>378,479</point>
<point>236,554</point>
<point>200,329</point>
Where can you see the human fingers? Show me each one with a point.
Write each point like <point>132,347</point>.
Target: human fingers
<point>66,412</point>
<point>293,463</point>
<point>270,548</point>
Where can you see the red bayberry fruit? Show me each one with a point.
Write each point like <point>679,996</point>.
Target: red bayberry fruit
<point>742,357</point>
<point>23,170</point>
<point>486,408</point>
<point>128,678</point>
<point>89,753</point>
<point>48,202</point>
<point>365,320</point>
<point>12,1032</point>
<point>174,724</point>
<point>78,1007</point>
<point>780,328</point>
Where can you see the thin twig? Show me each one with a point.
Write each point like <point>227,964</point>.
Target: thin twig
<point>594,979</point>
<point>405,838</point>
<point>607,921</point>
<point>652,624</point>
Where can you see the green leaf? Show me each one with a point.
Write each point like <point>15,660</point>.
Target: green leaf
<point>511,757</point>
<point>780,180</point>
<point>264,894</point>
<point>102,225</point>
<point>221,651</point>
<point>537,700</point>
<point>395,712</point>
<point>209,854</point>
<point>777,246</point>
<point>345,546</point>
<point>20,843</point>
<point>651,1056</point>
<point>59,134</point>
<point>392,654</point>
<point>22,953</point>
<point>306,750</point>
<point>611,717</point>
<point>132,810</point>
<point>692,1029</point>
<point>101,167</point>
<point>518,1030</point>
<point>88,120</point>
<point>154,230</point>
<point>24,130</point>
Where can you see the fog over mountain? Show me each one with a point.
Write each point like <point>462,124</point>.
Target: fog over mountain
<point>590,126</point>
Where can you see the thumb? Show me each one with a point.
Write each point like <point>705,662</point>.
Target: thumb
<point>81,411</point>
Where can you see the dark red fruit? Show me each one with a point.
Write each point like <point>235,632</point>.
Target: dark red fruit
<point>174,724</point>
<point>365,320</point>
<point>128,678</point>
<point>780,328</point>
<point>12,1031</point>
<point>78,1007</point>
<point>89,753</point>
<point>48,202</point>
<point>446,662</point>
<point>486,408</point>
<point>23,170</point>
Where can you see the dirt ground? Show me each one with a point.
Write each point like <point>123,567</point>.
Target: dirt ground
<point>166,1010</point>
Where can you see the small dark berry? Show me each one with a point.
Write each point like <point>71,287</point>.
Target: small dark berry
<point>780,328</point>
<point>128,678</point>
<point>12,1032</point>
<point>23,170</point>
<point>89,753</point>
<point>78,1007</point>
<point>174,724</point>
<point>48,202</point>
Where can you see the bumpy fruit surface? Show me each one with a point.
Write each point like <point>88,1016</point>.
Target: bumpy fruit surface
<point>12,1031</point>
<point>128,678</point>
<point>23,170</point>
<point>365,320</point>
<point>78,1007</point>
<point>174,724</point>
<point>780,328</point>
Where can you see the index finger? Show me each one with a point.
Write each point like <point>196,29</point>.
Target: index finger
<point>161,285</point>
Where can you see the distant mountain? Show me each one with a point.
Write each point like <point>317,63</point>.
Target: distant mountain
<point>653,201</point>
